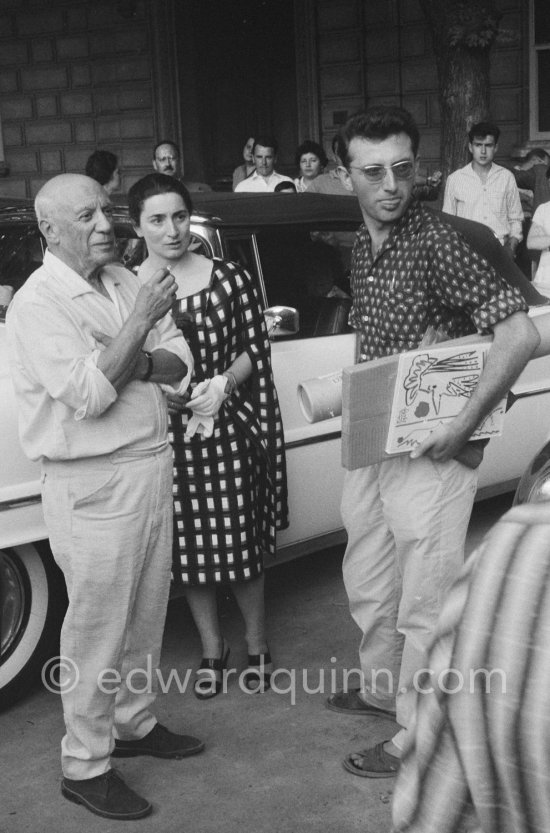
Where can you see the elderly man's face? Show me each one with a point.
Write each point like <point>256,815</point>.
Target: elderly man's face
<point>264,159</point>
<point>84,228</point>
<point>166,160</point>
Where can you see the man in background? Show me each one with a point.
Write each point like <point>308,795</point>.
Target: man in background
<point>485,191</point>
<point>264,178</point>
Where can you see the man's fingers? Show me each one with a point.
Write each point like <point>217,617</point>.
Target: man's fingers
<point>103,338</point>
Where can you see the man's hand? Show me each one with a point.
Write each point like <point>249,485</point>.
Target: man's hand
<point>177,403</point>
<point>156,296</point>
<point>442,444</point>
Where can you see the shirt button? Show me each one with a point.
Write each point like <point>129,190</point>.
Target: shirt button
<point>370,278</point>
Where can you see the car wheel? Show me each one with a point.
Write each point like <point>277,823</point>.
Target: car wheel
<point>33,601</point>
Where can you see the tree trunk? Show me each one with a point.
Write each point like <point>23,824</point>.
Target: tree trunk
<point>463,34</point>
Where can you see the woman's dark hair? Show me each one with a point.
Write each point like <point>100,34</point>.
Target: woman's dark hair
<point>311,147</point>
<point>101,165</point>
<point>150,186</point>
<point>376,124</point>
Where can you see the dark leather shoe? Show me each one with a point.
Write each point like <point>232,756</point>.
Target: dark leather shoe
<point>107,795</point>
<point>160,743</point>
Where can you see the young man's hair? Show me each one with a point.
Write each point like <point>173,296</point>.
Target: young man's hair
<point>266,142</point>
<point>482,129</point>
<point>285,185</point>
<point>376,124</point>
<point>150,186</point>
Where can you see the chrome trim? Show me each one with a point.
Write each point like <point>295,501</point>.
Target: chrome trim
<point>14,503</point>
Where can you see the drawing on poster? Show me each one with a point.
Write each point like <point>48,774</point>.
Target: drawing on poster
<point>431,388</point>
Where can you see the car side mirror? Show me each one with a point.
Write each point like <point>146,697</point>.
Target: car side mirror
<point>281,321</point>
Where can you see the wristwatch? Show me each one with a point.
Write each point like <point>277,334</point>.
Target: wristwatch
<point>231,384</point>
<point>149,370</point>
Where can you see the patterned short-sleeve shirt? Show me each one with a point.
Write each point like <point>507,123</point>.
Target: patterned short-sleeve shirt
<point>424,274</point>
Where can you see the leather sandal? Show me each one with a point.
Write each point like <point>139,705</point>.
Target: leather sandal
<point>257,677</point>
<point>209,676</point>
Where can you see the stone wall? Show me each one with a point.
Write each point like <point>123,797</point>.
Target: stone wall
<point>74,77</point>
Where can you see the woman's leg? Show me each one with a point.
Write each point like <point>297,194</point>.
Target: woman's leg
<point>204,609</point>
<point>250,599</point>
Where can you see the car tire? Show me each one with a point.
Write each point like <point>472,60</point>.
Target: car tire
<point>33,601</point>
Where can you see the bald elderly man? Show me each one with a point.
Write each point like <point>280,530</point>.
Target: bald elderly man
<point>90,349</point>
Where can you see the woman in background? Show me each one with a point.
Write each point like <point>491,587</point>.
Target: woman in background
<point>102,166</point>
<point>311,161</point>
<point>248,166</point>
<point>229,464</point>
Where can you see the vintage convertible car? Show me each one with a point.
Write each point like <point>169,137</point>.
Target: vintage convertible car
<point>298,250</point>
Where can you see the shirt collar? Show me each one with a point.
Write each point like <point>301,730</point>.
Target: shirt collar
<point>72,283</point>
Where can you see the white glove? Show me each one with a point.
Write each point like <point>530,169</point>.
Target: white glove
<point>207,396</point>
<point>199,423</point>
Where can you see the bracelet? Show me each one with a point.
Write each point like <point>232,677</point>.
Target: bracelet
<point>231,384</point>
<point>149,370</point>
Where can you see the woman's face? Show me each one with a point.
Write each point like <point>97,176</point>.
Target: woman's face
<point>310,165</point>
<point>248,156</point>
<point>165,225</point>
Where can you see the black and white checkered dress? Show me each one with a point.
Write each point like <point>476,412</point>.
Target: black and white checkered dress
<point>230,489</point>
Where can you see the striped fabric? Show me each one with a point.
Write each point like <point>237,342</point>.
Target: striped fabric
<point>478,756</point>
<point>229,490</point>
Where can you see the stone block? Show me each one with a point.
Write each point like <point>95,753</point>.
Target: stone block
<point>44,79</point>
<point>506,105</point>
<point>46,105</point>
<point>338,14</point>
<point>341,47</point>
<point>133,157</point>
<point>13,187</point>
<point>13,136</point>
<point>137,128</point>
<point>102,43</point>
<point>505,68</point>
<point>15,53</point>
<point>41,50</point>
<point>379,11</point>
<point>24,161</point>
<point>77,18</point>
<point>135,99</point>
<point>76,158</point>
<point>418,107</point>
<point>84,131</point>
<point>72,48</point>
<point>50,161</point>
<point>413,41</point>
<point>36,183</point>
<point>106,102</point>
<point>137,69</point>
<point>6,26</point>
<point>48,132</point>
<point>132,39</point>
<point>382,79</point>
<point>76,104</point>
<point>18,107</point>
<point>419,75</point>
<point>343,80</point>
<point>8,81</point>
<point>81,75</point>
<point>380,44</point>
<point>39,22</point>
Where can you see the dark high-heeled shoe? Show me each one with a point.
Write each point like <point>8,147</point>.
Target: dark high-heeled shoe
<point>257,677</point>
<point>209,675</point>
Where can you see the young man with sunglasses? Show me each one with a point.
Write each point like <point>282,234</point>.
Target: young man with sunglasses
<point>407,517</point>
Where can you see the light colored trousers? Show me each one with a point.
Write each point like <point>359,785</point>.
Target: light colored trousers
<point>406,522</point>
<point>110,524</point>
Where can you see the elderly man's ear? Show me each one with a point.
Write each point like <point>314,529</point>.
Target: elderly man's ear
<point>344,177</point>
<point>49,230</point>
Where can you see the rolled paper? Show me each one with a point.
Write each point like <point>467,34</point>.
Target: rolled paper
<point>321,398</point>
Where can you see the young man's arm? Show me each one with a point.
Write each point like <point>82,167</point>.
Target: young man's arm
<point>515,340</point>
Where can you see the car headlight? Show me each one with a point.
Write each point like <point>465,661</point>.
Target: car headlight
<point>534,486</point>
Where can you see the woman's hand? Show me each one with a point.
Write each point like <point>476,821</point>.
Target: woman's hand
<point>207,396</point>
<point>177,402</point>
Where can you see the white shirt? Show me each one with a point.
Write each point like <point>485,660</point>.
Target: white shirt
<point>256,182</point>
<point>67,408</point>
<point>495,203</point>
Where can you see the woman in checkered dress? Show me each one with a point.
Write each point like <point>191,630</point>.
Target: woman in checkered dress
<point>229,465</point>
